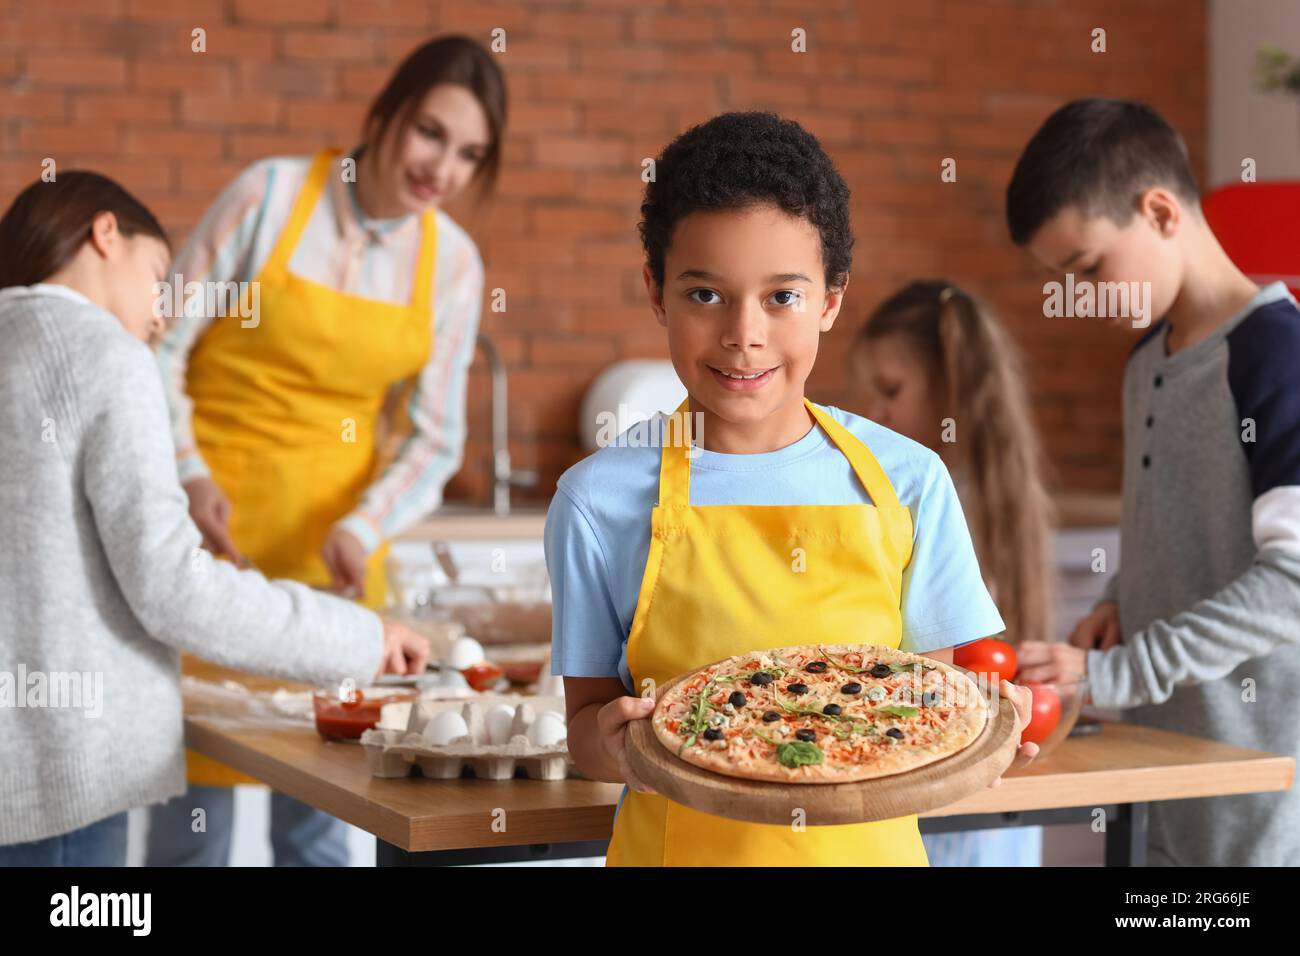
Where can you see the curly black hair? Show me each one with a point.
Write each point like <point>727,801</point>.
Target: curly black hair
<point>740,159</point>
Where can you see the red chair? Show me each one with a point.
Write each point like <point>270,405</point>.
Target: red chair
<point>1258,225</point>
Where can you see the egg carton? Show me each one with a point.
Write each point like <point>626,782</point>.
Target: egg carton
<point>391,752</point>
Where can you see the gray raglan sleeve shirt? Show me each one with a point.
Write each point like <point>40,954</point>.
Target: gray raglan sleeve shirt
<point>1224,422</point>
<point>1248,618</point>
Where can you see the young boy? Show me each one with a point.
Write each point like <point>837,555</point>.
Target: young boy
<point>1198,630</point>
<point>659,562</point>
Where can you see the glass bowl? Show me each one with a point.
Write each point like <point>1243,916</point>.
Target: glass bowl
<point>339,718</point>
<point>1070,697</point>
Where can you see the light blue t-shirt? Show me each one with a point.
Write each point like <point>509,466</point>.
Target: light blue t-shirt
<point>598,536</point>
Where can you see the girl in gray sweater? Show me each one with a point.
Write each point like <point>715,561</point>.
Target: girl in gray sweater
<point>103,580</point>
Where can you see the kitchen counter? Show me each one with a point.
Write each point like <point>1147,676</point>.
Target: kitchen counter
<point>419,821</point>
<point>1087,510</point>
<point>459,522</point>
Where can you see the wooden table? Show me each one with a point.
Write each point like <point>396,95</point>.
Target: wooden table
<point>434,822</point>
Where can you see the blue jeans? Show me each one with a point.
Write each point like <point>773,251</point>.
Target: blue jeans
<point>999,846</point>
<point>101,844</point>
<point>300,835</point>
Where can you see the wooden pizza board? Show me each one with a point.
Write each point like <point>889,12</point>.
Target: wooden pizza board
<point>760,801</point>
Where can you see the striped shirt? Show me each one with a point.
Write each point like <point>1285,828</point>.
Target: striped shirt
<point>343,249</point>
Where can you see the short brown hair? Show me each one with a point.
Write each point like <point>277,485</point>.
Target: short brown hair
<point>1100,155</point>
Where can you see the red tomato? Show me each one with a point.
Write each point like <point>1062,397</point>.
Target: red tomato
<point>989,656</point>
<point>1046,713</point>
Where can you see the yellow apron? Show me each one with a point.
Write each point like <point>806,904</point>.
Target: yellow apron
<point>286,411</point>
<point>728,579</point>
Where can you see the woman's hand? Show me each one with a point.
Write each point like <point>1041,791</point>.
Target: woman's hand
<point>1023,700</point>
<point>405,651</point>
<point>611,724</point>
<point>346,560</point>
<point>1099,630</point>
<point>210,511</point>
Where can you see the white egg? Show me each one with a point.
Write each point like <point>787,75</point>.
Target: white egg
<point>548,729</point>
<point>499,721</point>
<point>444,727</point>
<point>550,685</point>
<point>466,652</point>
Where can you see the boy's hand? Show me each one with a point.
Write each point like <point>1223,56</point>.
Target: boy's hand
<point>611,724</point>
<point>1022,700</point>
<point>1050,662</point>
<point>1099,630</point>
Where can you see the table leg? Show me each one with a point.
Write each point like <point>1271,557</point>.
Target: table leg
<point>1126,835</point>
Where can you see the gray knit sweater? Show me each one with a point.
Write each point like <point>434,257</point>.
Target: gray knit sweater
<point>103,582</point>
<point>1209,582</point>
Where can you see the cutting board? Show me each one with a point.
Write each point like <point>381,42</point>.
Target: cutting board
<point>760,801</point>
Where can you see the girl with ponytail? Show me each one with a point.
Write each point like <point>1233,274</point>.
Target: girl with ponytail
<point>938,368</point>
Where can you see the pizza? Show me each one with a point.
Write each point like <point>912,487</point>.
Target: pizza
<point>820,713</point>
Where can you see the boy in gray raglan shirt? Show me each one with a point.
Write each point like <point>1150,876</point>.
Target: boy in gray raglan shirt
<point>1199,630</point>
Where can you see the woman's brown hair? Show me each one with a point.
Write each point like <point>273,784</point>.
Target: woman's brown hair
<point>996,458</point>
<point>451,59</point>
<point>46,225</point>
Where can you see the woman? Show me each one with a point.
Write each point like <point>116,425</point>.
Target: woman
<point>942,371</point>
<point>102,582</point>
<point>328,416</point>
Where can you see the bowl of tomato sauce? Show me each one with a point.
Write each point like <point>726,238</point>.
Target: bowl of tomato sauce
<point>346,715</point>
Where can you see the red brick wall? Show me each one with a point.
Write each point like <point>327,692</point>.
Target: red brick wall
<point>596,85</point>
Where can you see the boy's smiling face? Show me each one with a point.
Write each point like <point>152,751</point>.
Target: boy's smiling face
<point>1097,250</point>
<point>745,302</point>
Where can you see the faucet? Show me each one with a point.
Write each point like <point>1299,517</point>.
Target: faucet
<point>503,477</point>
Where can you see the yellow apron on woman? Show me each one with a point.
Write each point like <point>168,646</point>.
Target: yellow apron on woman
<point>728,579</point>
<point>286,409</point>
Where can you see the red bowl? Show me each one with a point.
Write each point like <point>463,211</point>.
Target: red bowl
<point>522,672</point>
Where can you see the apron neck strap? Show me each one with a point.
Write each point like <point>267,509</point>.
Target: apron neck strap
<point>305,203</point>
<point>675,459</point>
<point>301,212</point>
<point>422,287</point>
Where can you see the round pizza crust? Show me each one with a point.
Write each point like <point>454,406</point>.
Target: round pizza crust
<point>854,745</point>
